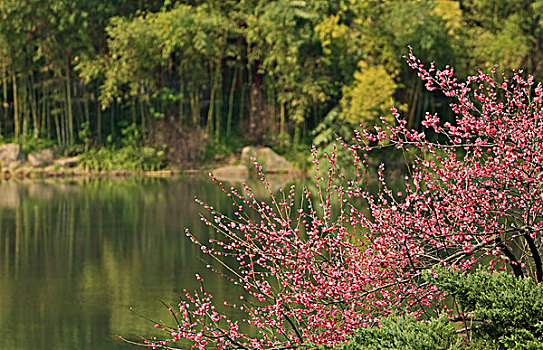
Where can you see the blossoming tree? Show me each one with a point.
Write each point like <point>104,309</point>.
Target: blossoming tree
<point>313,271</point>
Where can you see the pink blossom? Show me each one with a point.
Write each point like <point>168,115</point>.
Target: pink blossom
<point>313,271</point>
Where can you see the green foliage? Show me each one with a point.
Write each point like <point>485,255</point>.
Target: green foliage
<point>332,127</point>
<point>500,311</point>
<point>428,32</point>
<point>241,66</point>
<point>129,154</point>
<point>507,311</point>
<point>326,135</point>
<point>223,149</point>
<point>32,145</point>
<point>407,334</point>
<point>370,96</point>
<point>296,154</point>
<point>167,97</point>
<point>85,134</point>
<point>140,46</point>
<point>134,58</point>
<point>125,158</point>
<point>508,46</point>
<point>282,33</point>
<point>131,135</point>
<point>504,32</point>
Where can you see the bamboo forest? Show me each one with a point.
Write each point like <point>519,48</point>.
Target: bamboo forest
<point>190,80</point>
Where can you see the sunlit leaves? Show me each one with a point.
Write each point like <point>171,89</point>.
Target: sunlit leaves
<point>370,96</point>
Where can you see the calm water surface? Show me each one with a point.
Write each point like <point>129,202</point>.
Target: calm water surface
<point>74,256</point>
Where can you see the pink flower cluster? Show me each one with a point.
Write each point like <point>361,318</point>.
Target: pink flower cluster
<point>315,270</point>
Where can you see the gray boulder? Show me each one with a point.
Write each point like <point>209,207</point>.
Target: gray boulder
<point>232,173</point>
<point>268,159</point>
<point>68,162</point>
<point>44,157</point>
<point>11,155</point>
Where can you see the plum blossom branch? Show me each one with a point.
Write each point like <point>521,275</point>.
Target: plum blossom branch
<point>317,264</point>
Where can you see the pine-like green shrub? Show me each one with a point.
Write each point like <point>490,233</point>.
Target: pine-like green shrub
<point>507,311</point>
<point>501,312</point>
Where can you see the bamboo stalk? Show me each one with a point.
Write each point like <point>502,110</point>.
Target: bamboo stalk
<point>5,104</point>
<point>241,102</point>
<point>181,110</point>
<point>218,105</point>
<point>282,130</point>
<point>112,119</point>
<point>58,127</point>
<point>24,106</point>
<point>209,124</point>
<point>133,109</point>
<point>231,101</point>
<point>99,121</point>
<point>85,102</point>
<point>69,111</point>
<point>34,107</point>
<point>143,114</point>
<point>17,126</point>
<point>45,113</point>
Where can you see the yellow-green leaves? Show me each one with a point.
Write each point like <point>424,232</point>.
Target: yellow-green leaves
<point>332,34</point>
<point>370,96</point>
<point>450,11</point>
<point>508,47</point>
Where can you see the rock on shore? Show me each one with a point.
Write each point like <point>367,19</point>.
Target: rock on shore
<point>11,156</point>
<point>271,162</point>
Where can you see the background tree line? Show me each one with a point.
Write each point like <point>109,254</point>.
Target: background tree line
<point>275,72</point>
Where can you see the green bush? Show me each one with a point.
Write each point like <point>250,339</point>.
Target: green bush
<point>506,313</point>
<point>127,158</point>
<point>225,148</point>
<point>32,145</point>
<point>403,333</point>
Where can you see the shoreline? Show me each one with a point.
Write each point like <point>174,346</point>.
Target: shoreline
<point>69,173</point>
<point>14,164</point>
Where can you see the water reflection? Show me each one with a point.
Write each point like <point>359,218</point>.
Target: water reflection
<point>74,256</point>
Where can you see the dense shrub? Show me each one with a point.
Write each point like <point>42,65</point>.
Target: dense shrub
<point>124,158</point>
<point>499,309</point>
<point>407,333</point>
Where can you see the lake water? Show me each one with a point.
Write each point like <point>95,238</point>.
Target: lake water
<point>76,255</point>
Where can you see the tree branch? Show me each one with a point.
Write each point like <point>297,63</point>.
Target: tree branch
<point>535,256</point>
<point>515,265</point>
